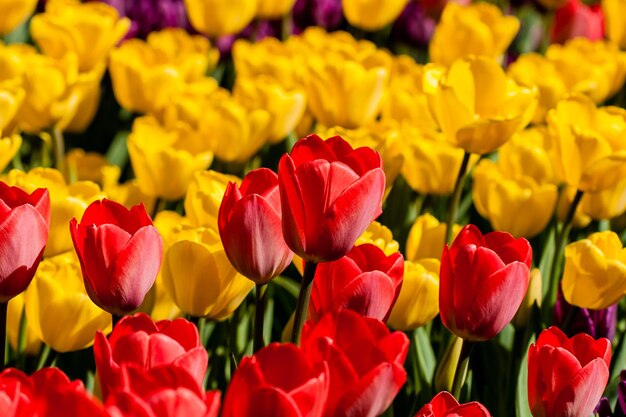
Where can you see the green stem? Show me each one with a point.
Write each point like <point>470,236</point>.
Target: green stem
<point>3,334</point>
<point>461,369</point>
<point>43,356</point>
<point>561,241</point>
<point>259,314</point>
<point>303,300</point>
<point>456,197</point>
<point>159,205</point>
<point>21,341</point>
<point>58,148</point>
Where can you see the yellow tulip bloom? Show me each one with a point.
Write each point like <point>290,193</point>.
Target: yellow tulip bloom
<point>476,105</point>
<point>199,278</point>
<point>11,98</point>
<point>614,11</point>
<point>58,307</point>
<point>533,297</point>
<point>14,13</point>
<point>89,30</point>
<point>427,238</point>
<point>218,17</point>
<point>595,271</point>
<point>165,160</point>
<point>381,236</point>
<point>204,197</point>
<point>605,204</point>
<point>418,302</point>
<point>475,29</point>
<point>9,147</point>
<point>372,15</point>
<point>528,154</point>
<point>128,194</point>
<point>588,149</point>
<point>566,197</point>
<point>84,166</point>
<point>273,9</point>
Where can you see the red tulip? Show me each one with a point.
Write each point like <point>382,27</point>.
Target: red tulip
<point>566,377</point>
<point>46,393</point>
<point>119,252</point>
<point>250,227</point>
<point>24,223</point>
<point>329,194</point>
<point>279,380</point>
<point>483,280</point>
<point>137,340</point>
<point>576,19</point>
<point>366,362</point>
<point>163,391</point>
<point>445,405</point>
<point>365,280</point>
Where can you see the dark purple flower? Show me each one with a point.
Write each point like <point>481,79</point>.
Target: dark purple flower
<point>414,26</point>
<point>573,320</point>
<point>256,30</point>
<point>603,409</point>
<point>325,13</point>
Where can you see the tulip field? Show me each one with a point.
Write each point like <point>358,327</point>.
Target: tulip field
<point>312,208</point>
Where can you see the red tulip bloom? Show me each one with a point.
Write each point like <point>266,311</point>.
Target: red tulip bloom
<point>365,280</point>
<point>445,405</point>
<point>365,359</point>
<point>329,194</point>
<point>250,227</point>
<point>278,380</point>
<point>566,377</point>
<point>24,223</point>
<point>120,254</point>
<point>138,341</point>
<point>576,19</point>
<point>483,280</point>
<point>163,391</point>
<point>46,393</point>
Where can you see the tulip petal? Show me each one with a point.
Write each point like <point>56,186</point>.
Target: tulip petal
<point>583,391</point>
<point>270,401</point>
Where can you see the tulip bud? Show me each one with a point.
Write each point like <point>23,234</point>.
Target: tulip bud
<point>372,15</point>
<point>15,13</point>
<point>446,369</point>
<point>426,238</point>
<point>576,19</point>
<point>531,299</point>
<point>615,27</point>
<point>444,404</point>
<point>215,17</point>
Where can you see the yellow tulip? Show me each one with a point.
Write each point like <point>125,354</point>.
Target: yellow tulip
<point>218,17</point>
<point>14,12</point>
<point>14,316</point>
<point>427,237</point>
<point>476,29</point>
<point>127,194</point>
<point>58,307</point>
<point>476,105</point>
<point>445,372</point>
<point>165,160</point>
<point>273,9</point>
<point>588,149</point>
<point>11,98</point>
<point>89,30</point>
<point>614,10</point>
<point>88,90</point>
<point>566,197</point>
<point>605,204</point>
<point>596,69</point>
<point>84,166</point>
<point>66,202</point>
<point>527,153</point>
<point>9,147</point>
<point>199,278</point>
<point>146,75</point>
<point>285,107</point>
<point>533,297</point>
<point>344,92</point>
<point>534,69</point>
<point>204,197</point>
<point>236,132</point>
<point>418,302</point>
<point>372,15</point>
<point>431,164</point>
<point>515,204</point>
<point>381,236</point>
<point>595,271</point>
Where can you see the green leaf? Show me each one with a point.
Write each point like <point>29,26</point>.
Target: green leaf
<point>426,360</point>
<point>521,395</point>
<point>117,154</point>
<point>292,287</point>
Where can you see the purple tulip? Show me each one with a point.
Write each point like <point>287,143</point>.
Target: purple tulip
<point>573,320</point>
<point>325,13</point>
<point>414,26</point>
<point>603,409</point>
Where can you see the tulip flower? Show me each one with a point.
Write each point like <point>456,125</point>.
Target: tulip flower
<point>587,155</point>
<point>445,405</point>
<point>14,13</point>
<point>483,280</point>
<point>250,227</point>
<point>477,106</point>
<point>44,393</point>
<point>11,94</point>
<point>9,147</point>
<point>595,271</point>
<point>204,197</point>
<point>365,280</point>
<point>119,252</point>
<point>418,301</point>
<point>24,224</point>
<point>161,391</point>
<point>58,308</point>
<point>603,409</point>
<point>615,27</point>
<point>365,360</point>
<point>566,377</point>
<point>273,9</point>
<point>138,341</point>
<point>427,238</point>
<point>90,30</point>
<point>576,19</point>
<point>165,160</point>
<point>279,380</point>
<point>216,18</point>
<point>323,13</point>
<point>198,276</point>
<point>605,204</point>
<point>478,29</point>
<point>329,193</point>
<point>380,236</point>
<point>372,15</point>
<point>574,320</point>
<point>532,299</point>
